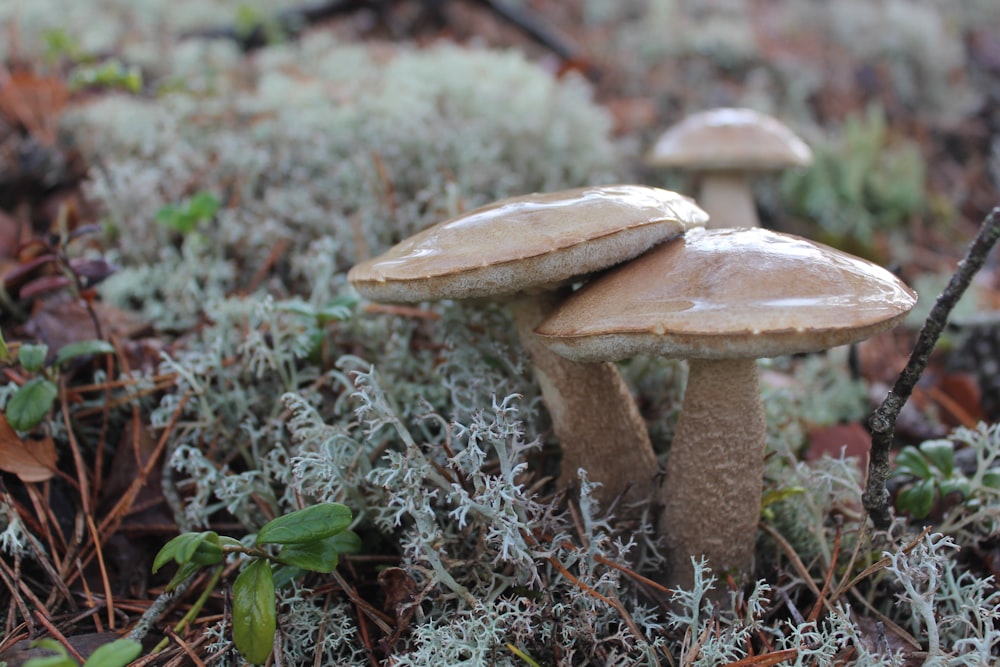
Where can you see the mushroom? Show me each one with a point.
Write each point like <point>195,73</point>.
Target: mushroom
<point>526,251</point>
<point>726,146</point>
<point>721,299</point>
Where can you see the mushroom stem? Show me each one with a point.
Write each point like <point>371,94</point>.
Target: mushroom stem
<point>728,199</point>
<point>593,413</point>
<point>714,478</point>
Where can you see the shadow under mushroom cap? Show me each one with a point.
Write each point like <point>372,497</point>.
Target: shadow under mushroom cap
<point>728,294</point>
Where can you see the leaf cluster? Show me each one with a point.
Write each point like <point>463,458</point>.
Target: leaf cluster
<point>310,539</point>
<point>933,478</point>
<point>113,654</point>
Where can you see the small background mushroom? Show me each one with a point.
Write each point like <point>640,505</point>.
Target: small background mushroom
<point>726,147</point>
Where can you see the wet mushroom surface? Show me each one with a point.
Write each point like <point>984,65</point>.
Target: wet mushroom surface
<point>722,299</point>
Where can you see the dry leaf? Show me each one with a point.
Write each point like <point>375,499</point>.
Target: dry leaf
<point>31,460</point>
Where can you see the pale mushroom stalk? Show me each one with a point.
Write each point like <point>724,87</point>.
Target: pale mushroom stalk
<point>719,436</point>
<point>593,413</point>
<point>728,199</point>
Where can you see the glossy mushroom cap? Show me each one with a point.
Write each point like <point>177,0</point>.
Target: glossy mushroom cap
<point>728,294</point>
<point>732,139</point>
<point>527,242</point>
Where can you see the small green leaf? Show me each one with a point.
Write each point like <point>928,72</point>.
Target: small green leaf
<point>186,546</point>
<point>60,659</point>
<point>918,499</point>
<point>184,572</point>
<point>209,552</point>
<point>338,309</point>
<point>203,205</point>
<point>230,542</point>
<point>321,555</point>
<point>318,556</point>
<point>991,478</point>
<point>4,350</point>
<point>909,461</point>
<point>187,549</point>
<point>306,525</point>
<point>941,454</point>
<point>285,574</point>
<point>347,542</point>
<point>168,551</point>
<point>959,485</point>
<point>31,404</point>
<point>32,357</point>
<point>115,654</point>
<point>773,496</point>
<point>254,612</point>
<point>83,348</point>
<point>185,218</point>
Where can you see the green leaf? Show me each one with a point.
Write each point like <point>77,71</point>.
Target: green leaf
<point>203,205</point>
<point>991,478</point>
<point>318,556</point>
<point>32,357</point>
<point>918,499</point>
<point>773,496</point>
<point>941,454</point>
<point>188,548</point>
<point>168,551</point>
<point>31,404</point>
<point>254,612</point>
<point>338,309</point>
<point>209,552</point>
<point>115,654</point>
<point>285,574</point>
<point>306,525</point>
<point>347,542</point>
<point>909,461</point>
<point>60,659</point>
<point>184,572</point>
<point>4,350</point>
<point>112,74</point>
<point>83,348</point>
<point>191,547</point>
<point>230,542</point>
<point>959,485</point>
<point>185,219</point>
<point>321,555</point>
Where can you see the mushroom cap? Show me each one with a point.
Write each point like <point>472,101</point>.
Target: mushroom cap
<point>529,242</point>
<point>728,294</point>
<point>729,139</point>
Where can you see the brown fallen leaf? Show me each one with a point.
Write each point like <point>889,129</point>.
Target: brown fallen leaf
<point>30,460</point>
<point>851,439</point>
<point>60,320</point>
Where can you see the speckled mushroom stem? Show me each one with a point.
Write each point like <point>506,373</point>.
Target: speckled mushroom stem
<point>593,414</point>
<point>728,199</point>
<point>715,470</point>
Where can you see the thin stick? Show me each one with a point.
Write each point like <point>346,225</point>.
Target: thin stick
<point>60,637</point>
<point>883,420</point>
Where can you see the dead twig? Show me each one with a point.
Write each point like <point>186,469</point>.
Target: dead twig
<point>883,420</point>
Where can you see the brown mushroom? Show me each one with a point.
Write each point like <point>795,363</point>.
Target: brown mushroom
<point>526,251</point>
<point>726,147</point>
<point>721,299</point>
